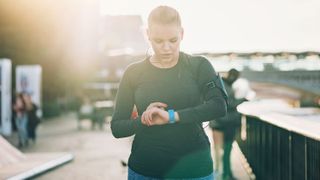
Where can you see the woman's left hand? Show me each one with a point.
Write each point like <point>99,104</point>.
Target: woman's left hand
<point>155,116</point>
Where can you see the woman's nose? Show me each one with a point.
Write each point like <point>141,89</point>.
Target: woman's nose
<point>166,46</point>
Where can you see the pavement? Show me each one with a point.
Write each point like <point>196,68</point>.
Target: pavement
<point>97,154</point>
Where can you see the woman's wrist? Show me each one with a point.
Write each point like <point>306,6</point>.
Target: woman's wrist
<point>176,116</point>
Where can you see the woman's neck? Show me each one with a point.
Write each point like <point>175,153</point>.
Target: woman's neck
<point>158,62</point>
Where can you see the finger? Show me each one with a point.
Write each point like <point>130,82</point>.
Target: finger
<point>160,105</point>
<point>151,105</point>
<point>148,117</point>
<point>157,104</point>
<point>143,119</point>
<point>152,113</point>
<point>149,123</point>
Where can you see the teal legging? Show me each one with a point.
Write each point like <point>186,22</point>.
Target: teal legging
<point>229,135</point>
<point>132,175</point>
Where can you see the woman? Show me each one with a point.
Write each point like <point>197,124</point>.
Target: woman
<point>33,119</point>
<point>224,129</point>
<point>173,101</point>
<point>21,120</point>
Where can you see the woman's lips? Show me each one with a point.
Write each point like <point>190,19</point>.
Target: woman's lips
<point>165,55</point>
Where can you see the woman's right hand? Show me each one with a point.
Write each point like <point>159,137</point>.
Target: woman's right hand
<point>155,116</point>
<point>158,105</point>
<point>152,105</point>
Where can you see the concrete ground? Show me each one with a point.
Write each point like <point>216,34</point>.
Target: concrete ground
<point>98,154</point>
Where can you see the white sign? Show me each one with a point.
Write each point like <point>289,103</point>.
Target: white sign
<point>28,80</point>
<point>5,97</point>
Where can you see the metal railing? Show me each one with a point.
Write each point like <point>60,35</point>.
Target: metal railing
<point>275,153</point>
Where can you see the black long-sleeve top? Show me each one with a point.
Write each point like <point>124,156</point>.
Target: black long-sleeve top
<point>180,150</point>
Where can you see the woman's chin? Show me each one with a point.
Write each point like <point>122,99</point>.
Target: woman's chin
<point>167,60</point>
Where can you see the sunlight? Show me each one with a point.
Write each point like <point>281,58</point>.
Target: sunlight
<point>215,26</point>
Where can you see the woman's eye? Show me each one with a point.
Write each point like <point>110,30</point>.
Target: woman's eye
<point>173,40</point>
<point>157,41</point>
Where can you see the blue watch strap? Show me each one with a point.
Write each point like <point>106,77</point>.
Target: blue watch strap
<point>171,116</point>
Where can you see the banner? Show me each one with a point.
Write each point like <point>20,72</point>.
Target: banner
<point>5,97</point>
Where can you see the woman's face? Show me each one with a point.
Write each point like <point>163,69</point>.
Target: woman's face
<point>165,41</point>
<point>26,98</point>
<point>19,102</point>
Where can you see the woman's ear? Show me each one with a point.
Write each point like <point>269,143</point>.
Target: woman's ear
<point>148,34</point>
<point>182,33</point>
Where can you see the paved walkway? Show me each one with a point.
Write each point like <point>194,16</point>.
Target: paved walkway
<point>98,154</point>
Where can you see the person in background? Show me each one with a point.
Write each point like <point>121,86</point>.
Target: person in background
<point>223,129</point>
<point>172,99</point>
<point>21,119</point>
<point>86,110</point>
<point>33,119</point>
<point>309,100</point>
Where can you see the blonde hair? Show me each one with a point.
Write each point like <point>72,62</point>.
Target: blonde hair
<point>164,15</point>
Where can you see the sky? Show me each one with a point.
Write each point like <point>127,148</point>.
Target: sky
<point>236,25</point>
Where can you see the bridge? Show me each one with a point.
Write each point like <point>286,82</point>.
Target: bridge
<point>303,80</point>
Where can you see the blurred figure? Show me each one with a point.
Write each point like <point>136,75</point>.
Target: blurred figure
<point>223,129</point>
<point>134,114</point>
<point>86,111</point>
<point>21,120</point>
<point>33,119</point>
<point>309,100</point>
<point>242,89</point>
